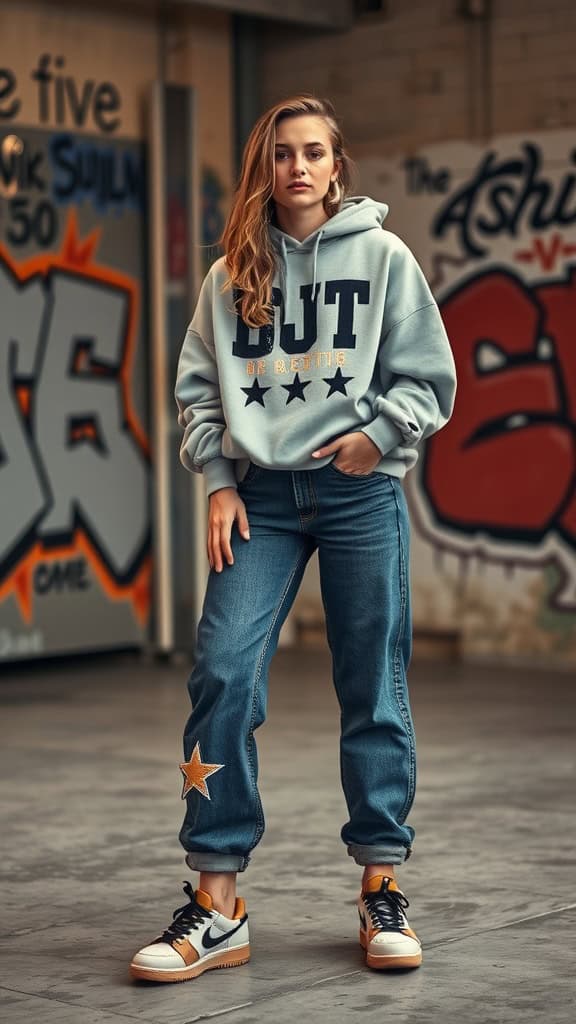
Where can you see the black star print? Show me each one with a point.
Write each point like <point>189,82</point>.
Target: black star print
<point>337,383</point>
<point>296,388</point>
<point>255,393</point>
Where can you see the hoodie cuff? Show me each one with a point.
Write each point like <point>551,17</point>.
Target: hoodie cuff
<point>219,473</point>
<point>383,433</point>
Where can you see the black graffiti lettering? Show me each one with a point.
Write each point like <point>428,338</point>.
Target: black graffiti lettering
<point>7,87</point>
<point>106,102</point>
<point>38,223</point>
<point>25,496</point>
<point>60,97</point>
<point>20,168</point>
<point>61,576</point>
<point>502,202</point>
<point>503,196</point>
<point>78,100</point>
<point>10,166</point>
<point>33,179</point>
<point>347,290</point>
<point>288,340</point>
<point>420,177</point>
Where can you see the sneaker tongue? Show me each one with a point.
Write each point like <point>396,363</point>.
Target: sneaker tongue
<point>374,884</point>
<point>204,899</point>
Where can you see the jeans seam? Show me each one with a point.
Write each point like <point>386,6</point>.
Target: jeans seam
<point>306,517</point>
<point>403,709</point>
<point>313,494</point>
<point>259,830</point>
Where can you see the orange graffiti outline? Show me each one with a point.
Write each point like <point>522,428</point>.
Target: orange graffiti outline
<point>78,256</point>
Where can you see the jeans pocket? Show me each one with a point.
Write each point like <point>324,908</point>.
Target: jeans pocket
<point>353,476</point>
<point>251,473</point>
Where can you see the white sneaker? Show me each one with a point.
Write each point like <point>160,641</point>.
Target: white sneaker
<point>384,930</point>
<point>199,939</point>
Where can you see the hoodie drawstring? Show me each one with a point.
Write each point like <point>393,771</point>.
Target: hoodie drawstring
<point>285,272</point>
<point>316,247</point>
<point>284,278</point>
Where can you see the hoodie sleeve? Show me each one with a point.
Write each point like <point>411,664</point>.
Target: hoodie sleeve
<point>197,395</point>
<point>415,355</point>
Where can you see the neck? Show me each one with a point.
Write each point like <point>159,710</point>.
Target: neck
<point>299,224</point>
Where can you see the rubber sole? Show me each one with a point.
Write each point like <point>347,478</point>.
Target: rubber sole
<point>384,963</point>
<point>227,958</point>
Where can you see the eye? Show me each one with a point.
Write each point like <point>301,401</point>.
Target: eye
<point>280,155</point>
<point>317,154</point>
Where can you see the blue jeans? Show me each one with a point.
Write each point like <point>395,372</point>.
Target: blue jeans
<point>359,524</point>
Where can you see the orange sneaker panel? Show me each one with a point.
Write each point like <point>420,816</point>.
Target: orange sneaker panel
<point>204,899</point>
<point>374,883</point>
<point>239,908</point>
<point>186,951</point>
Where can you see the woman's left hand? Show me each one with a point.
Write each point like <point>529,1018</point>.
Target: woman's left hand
<point>358,454</point>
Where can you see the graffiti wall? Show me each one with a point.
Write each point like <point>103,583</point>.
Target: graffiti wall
<point>75,557</point>
<point>493,497</point>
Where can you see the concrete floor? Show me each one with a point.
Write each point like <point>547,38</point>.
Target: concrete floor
<point>92,868</point>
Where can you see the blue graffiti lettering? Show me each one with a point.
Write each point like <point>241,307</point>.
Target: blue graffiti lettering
<point>105,175</point>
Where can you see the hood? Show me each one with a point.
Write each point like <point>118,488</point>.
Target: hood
<point>357,213</point>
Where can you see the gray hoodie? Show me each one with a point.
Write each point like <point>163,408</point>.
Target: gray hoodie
<point>356,343</point>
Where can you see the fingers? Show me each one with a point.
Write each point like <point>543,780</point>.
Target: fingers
<point>334,446</point>
<point>225,548</point>
<point>219,545</point>
<point>219,548</point>
<point>243,524</point>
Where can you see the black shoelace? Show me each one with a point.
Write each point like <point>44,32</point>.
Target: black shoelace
<point>191,915</point>
<point>386,909</point>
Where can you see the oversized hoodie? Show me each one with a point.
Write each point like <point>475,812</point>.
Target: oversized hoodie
<point>357,343</point>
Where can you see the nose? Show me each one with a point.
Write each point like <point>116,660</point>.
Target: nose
<point>297,164</point>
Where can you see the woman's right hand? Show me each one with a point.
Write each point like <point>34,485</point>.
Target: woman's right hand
<point>224,507</point>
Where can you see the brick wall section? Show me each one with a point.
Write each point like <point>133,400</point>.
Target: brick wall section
<point>422,73</point>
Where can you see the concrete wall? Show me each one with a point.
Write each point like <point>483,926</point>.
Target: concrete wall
<point>199,52</point>
<point>322,12</point>
<point>422,72</point>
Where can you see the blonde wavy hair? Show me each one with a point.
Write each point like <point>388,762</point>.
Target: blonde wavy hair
<point>249,253</point>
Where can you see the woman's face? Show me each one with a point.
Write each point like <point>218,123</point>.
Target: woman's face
<point>303,154</point>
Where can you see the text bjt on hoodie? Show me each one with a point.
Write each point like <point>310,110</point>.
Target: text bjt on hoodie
<point>356,343</point>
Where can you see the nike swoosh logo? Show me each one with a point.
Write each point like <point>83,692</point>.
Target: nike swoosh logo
<point>208,940</point>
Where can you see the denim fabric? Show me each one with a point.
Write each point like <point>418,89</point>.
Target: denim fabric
<point>359,524</point>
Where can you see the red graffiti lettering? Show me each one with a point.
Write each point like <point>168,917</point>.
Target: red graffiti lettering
<point>505,463</point>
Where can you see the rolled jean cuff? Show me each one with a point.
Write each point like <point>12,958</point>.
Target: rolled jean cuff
<point>364,855</point>
<point>200,861</point>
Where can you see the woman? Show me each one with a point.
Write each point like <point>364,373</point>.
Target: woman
<point>315,362</point>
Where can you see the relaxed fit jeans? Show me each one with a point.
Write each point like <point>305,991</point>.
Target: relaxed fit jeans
<point>359,525</point>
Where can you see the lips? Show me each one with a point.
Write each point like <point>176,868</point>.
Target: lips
<point>298,187</point>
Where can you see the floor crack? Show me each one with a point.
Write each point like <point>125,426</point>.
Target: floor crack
<point>500,927</point>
